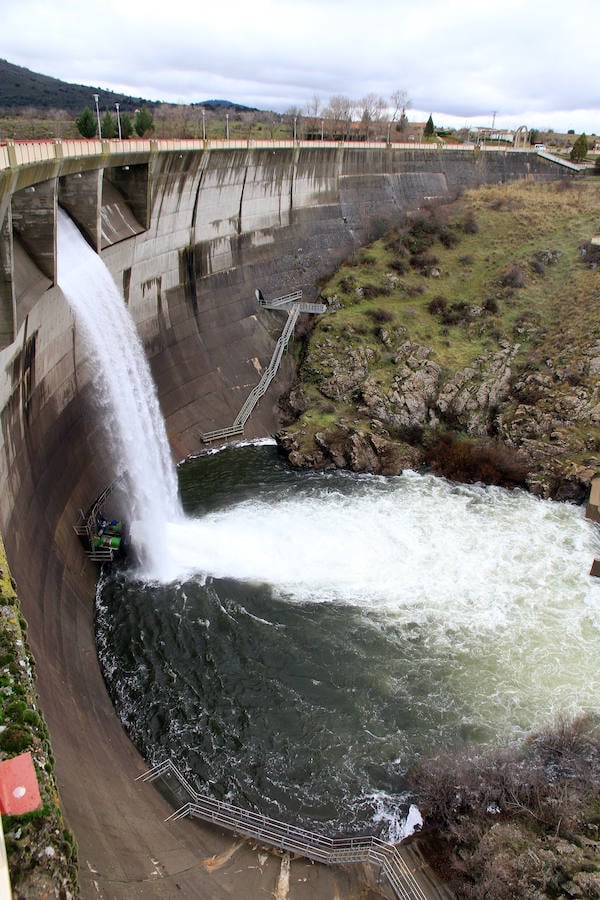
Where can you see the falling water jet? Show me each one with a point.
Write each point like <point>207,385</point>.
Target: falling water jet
<point>136,432</point>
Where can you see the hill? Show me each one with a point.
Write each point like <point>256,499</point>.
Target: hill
<point>20,87</point>
<point>467,342</point>
<point>217,105</point>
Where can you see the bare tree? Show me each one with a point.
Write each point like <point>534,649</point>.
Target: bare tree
<point>400,103</point>
<point>371,109</point>
<point>339,113</point>
<point>313,111</point>
<point>294,118</point>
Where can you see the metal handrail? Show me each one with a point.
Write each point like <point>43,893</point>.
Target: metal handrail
<point>278,302</point>
<point>291,838</point>
<point>261,388</point>
<point>88,526</point>
<point>271,370</point>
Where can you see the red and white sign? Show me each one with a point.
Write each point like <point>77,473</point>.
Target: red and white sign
<point>19,792</point>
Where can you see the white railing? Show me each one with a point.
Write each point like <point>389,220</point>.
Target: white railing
<point>22,153</point>
<point>292,303</point>
<point>278,302</point>
<point>271,370</point>
<point>291,838</point>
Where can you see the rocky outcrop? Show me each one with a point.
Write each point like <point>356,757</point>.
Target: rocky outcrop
<point>540,415</point>
<point>346,447</point>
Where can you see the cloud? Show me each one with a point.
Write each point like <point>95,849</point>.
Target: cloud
<point>464,58</point>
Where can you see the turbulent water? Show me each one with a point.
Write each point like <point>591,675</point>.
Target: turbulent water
<point>135,430</point>
<point>327,629</point>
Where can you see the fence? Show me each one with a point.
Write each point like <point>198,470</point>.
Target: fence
<point>262,386</point>
<point>21,153</point>
<point>329,851</point>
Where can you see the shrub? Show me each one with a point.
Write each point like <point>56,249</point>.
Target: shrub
<point>467,260</point>
<point>437,305</point>
<point>538,267</point>
<point>470,224</point>
<point>488,462</point>
<point>505,815</point>
<point>421,235</point>
<point>377,227</point>
<point>450,314</point>
<point>424,261</point>
<point>380,314</point>
<point>15,710</point>
<point>490,304</point>
<point>15,739</point>
<point>347,284</point>
<point>399,266</point>
<point>449,238</point>
<point>515,277</point>
<point>370,291</point>
<point>395,244</point>
<point>366,259</point>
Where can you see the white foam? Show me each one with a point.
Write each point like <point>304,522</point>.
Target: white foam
<point>495,580</point>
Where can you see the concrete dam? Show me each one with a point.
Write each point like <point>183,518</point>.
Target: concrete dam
<point>188,230</point>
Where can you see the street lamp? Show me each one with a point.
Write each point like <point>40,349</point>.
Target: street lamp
<point>227,125</point>
<point>98,116</point>
<point>203,125</point>
<point>118,120</point>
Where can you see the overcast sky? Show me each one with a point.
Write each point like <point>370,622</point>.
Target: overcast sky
<point>515,62</point>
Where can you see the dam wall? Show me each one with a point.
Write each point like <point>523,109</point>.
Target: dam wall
<point>188,233</point>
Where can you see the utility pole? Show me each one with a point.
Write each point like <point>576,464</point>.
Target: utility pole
<point>118,119</point>
<point>96,98</point>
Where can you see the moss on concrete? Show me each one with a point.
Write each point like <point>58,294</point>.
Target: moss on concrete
<point>42,854</point>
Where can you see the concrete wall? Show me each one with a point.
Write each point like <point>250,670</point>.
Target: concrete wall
<point>188,236</point>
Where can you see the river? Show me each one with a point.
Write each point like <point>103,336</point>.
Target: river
<point>326,629</point>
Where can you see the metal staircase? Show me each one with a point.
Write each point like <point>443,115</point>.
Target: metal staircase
<point>387,858</point>
<point>87,527</point>
<point>293,304</point>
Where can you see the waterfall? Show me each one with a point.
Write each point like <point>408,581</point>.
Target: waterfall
<point>134,424</point>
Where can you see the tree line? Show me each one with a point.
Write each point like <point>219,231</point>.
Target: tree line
<point>121,125</point>
<point>340,117</point>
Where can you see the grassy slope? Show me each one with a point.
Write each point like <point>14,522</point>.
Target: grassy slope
<point>556,308</point>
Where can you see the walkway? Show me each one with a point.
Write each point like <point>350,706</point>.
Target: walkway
<point>293,304</point>
<point>407,882</point>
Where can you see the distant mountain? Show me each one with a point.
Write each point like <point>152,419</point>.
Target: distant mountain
<point>20,87</point>
<point>225,104</point>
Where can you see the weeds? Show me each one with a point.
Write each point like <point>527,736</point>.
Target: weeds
<point>507,815</point>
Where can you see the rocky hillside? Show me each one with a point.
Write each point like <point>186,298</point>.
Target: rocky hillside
<point>467,342</point>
